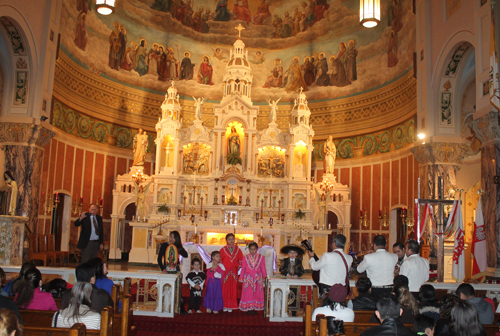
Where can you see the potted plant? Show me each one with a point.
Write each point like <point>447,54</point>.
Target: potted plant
<point>163,208</point>
<point>299,214</point>
<point>232,201</point>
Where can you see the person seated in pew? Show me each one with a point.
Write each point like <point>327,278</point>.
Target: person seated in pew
<point>12,286</point>
<point>443,324</point>
<point>101,279</point>
<point>2,281</point>
<point>9,324</point>
<point>428,303</point>
<point>465,320</point>
<point>6,303</point>
<point>30,296</point>
<point>100,298</point>
<point>334,305</point>
<point>364,300</point>
<point>484,309</point>
<point>388,312</point>
<point>401,279</point>
<point>79,309</point>
<point>423,325</point>
<point>407,303</point>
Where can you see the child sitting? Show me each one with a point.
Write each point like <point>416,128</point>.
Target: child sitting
<point>196,279</point>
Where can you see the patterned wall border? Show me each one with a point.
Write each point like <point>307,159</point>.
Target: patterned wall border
<point>394,138</point>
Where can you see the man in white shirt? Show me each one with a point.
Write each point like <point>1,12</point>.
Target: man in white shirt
<point>415,268</point>
<point>331,265</point>
<point>379,267</point>
<point>400,251</point>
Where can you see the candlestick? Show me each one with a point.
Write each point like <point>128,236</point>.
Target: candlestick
<point>100,202</point>
<point>261,230</point>
<point>195,228</point>
<point>81,201</point>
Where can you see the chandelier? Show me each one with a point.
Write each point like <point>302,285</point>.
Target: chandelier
<point>369,13</point>
<point>105,7</point>
<point>138,177</point>
<point>326,186</point>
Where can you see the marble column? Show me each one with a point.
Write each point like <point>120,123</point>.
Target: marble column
<point>23,147</point>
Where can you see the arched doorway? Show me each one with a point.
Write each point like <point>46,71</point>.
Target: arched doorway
<point>61,221</point>
<point>126,232</point>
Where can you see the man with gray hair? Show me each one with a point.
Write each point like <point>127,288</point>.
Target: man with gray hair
<point>332,265</point>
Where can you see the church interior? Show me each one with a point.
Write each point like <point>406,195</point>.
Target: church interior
<point>276,121</point>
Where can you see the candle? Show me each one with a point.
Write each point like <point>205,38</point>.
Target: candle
<point>184,188</point>
<point>57,196</point>
<point>81,200</point>
<point>100,202</point>
<point>240,198</point>
<point>261,230</point>
<point>279,194</point>
<point>223,199</point>
<point>380,213</point>
<point>195,228</point>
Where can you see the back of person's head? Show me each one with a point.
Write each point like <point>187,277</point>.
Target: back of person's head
<point>98,265</point>
<point>56,287</point>
<point>467,290</point>
<point>379,241</point>
<point>333,327</point>
<point>413,246</point>
<point>422,323</point>
<point>81,295</point>
<point>447,304</point>
<point>84,272</point>
<point>31,281</point>
<point>405,298</point>
<point>388,307</point>
<point>465,320</point>
<point>363,285</point>
<point>401,280</point>
<point>339,241</point>
<point>427,295</point>
<point>9,324</point>
<point>17,282</point>
<point>2,276</point>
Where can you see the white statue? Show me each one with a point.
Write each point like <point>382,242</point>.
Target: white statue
<point>141,193</point>
<point>322,201</point>
<point>274,107</point>
<point>198,102</point>
<point>10,185</point>
<point>140,147</point>
<point>330,154</point>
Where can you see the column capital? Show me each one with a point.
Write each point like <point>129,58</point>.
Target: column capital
<point>25,134</point>
<point>442,153</point>
<point>487,128</point>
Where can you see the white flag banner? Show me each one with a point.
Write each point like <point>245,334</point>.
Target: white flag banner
<point>458,252</point>
<point>479,264</point>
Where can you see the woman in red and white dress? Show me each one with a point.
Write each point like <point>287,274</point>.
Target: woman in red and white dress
<point>231,257</point>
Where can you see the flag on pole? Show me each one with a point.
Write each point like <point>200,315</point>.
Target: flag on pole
<point>455,219</point>
<point>494,80</point>
<point>479,246</point>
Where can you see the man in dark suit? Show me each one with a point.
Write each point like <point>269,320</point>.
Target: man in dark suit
<point>85,272</point>
<point>91,236</point>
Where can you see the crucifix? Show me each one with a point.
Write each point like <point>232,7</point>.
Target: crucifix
<point>167,150</point>
<point>441,202</point>
<point>239,28</point>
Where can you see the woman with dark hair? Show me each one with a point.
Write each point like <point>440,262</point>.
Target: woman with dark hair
<point>101,272</point>
<point>175,240</point>
<point>428,304</point>
<point>443,324</point>
<point>12,286</point>
<point>30,296</point>
<point>465,320</point>
<point>9,324</point>
<point>79,310</point>
<point>253,275</point>
<point>407,303</point>
<point>334,305</point>
<point>231,258</point>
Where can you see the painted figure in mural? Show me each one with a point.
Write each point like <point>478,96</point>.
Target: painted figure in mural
<point>162,64</point>
<point>187,18</point>
<point>308,70</point>
<point>220,54</point>
<point>81,31</point>
<point>140,59</point>
<point>262,13</point>
<point>153,58</point>
<point>206,71</point>
<point>337,73</point>
<point>82,6</point>
<point>173,8</point>
<point>128,59</point>
<point>221,11</point>
<point>258,58</point>
<point>10,185</point>
<point>198,102</point>
<point>293,79</point>
<point>197,21</point>
<point>140,147</point>
<point>187,68</point>
<point>123,43</point>
<point>308,11</point>
<point>330,155</point>
<point>352,53</point>
<point>276,78</point>
<point>114,47</point>
<point>322,77</point>
<point>203,165</point>
<point>141,193</point>
<point>171,66</point>
<point>286,29</point>
<point>319,11</point>
<point>395,15</point>
<point>277,24</point>
<point>205,28</point>
<point>234,142</point>
<point>297,16</point>
<point>392,50</point>
<point>188,163</point>
<point>161,5</point>
<point>273,104</point>
<point>241,11</point>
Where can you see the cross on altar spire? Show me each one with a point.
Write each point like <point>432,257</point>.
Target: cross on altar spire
<point>239,29</point>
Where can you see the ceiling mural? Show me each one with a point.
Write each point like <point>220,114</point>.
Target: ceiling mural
<point>315,44</point>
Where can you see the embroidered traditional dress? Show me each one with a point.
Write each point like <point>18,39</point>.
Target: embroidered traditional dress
<point>231,257</point>
<point>213,294</point>
<point>253,269</point>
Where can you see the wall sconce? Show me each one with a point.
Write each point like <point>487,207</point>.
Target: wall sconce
<point>407,219</point>
<point>383,220</point>
<point>105,7</point>
<point>363,219</point>
<point>369,13</point>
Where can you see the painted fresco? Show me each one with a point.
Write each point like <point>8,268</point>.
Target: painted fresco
<point>314,44</point>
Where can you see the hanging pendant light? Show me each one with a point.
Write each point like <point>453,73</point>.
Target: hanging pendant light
<point>369,13</point>
<point>105,7</point>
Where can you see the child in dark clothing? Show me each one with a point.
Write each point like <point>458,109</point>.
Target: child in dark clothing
<point>196,278</point>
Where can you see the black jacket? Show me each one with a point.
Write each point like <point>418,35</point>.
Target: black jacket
<point>390,327</point>
<point>161,255</point>
<point>100,299</point>
<point>297,268</point>
<point>87,230</point>
<point>364,302</point>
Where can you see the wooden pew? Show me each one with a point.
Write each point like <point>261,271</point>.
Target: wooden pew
<point>322,323</point>
<point>363,316</point>
<point>307,319</point>
<point>78,329</point>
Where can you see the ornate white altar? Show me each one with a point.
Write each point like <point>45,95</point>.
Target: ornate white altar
<point>11,239</point>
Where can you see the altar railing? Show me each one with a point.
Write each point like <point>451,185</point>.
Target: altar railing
<point>154,293</point>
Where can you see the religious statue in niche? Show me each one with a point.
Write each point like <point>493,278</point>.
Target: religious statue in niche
<point>271,163</point>
<point>140,147</point>
<point>10,185</point>
<point>196,159</point>
<point>234,148</point>
<point>141,193</point>
<point>321,201</point>
<point>299,201</point>
<point>330,155</point>
<point>299,166</point>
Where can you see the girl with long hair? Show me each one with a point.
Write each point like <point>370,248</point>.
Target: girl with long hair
<point>407,303</point>
<point>428,303</point>
<point>79,310</point>
<point>443,324</point>
<point>231,258</point>
<point>253,275</point>
<point>12,286</point>
<point>173,239</point>
<point>30,296</point>
<point>215,273</point>
<point>465,320</point>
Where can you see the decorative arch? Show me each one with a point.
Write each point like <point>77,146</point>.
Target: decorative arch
<point>232,119</point>
<point>340,215</point>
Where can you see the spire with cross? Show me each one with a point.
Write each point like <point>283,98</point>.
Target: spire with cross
<point>239,28</point>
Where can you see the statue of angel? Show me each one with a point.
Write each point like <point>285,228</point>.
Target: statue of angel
<point>274,107</point>
<point>198,102</point>
<point>141,193</point>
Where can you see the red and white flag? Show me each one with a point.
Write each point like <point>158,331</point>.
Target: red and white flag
<point>455,219</point>
<point>479,265</point>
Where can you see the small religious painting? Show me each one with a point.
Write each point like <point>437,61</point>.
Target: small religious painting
<point>452,6</point>
<point>196,159</point>
<point>271,162</point>
<point>171,257</point>
<point>451,69</point>
<point>21,88</point>
<point>446,119</point>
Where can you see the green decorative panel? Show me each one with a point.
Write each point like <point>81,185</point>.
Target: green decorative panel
<point>365,145</point>
<point>82,126</point>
